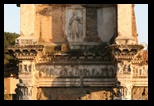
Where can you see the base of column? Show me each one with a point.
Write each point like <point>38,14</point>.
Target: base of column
<point>125,40</point>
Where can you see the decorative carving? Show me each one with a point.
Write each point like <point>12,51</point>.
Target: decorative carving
<point>91,62</point>
<point>75,23</point>
<point>30,91</point>
<point>75,27</point>
<point>41,74</point>
<point>25,67</point>
<point>27,52</point>
<point>37,75</point>
<point>77,57</point>
<point>117,93</point>
<point>95,72</point>
<point>124,67</point>
<point>19,94</point>
<point>127,67</point>
<point>23,91</point>
<point>111,72</point>
<point>125,52</point>
<point>29,67</point>
<point>141,58</point>
<point>20,67</point>
<point>104,71</point>
<point>127,91</point>
<point>66,71</point>
<point>140,70</point>
<point>63,72</point>
<point>120,68</point>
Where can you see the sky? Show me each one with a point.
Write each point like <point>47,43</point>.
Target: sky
<point>12,22</point>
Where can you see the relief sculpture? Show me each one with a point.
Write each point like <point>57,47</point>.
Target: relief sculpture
<point>75,23</point>
<point>25,68</point>
<point>124,67</point>
<point>120,68</point>
<point>29,67</point>
<point>105,71</point>
<point>140,71</point>
<point>75,26</point>
<point>111,72</point>
<point>66,71</point>
<point>20,68</point>
<point>145,71</point>
<point>127,67</point>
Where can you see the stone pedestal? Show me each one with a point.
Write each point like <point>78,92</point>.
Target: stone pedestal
<point>125,25</point>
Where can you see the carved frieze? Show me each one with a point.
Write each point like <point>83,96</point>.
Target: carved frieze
<point>124,52</point>
<point>124,67</point>
<point>141,58</point>
<point>25,52</point>
<point>139,71</point>
<point>76,71</point>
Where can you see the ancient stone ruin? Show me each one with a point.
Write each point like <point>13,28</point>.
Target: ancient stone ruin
<point>80,52</point>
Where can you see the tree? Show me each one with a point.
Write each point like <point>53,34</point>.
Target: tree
<point>10,61</point>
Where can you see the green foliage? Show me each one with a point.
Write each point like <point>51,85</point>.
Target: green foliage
<point>9,59</point>
<point>9,38</point>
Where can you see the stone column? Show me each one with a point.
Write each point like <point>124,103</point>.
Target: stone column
<point>129,91</point>
<point>27,19</point>
<point>25,90</point>
<point>124,76</point>
<point>125,25</point>
<point>27,83</point>
<point>125,49</point>
<point>28,79</point>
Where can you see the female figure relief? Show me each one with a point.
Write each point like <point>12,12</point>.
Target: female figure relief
<point>75,29</point>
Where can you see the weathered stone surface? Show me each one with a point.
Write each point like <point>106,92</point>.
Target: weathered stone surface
<point>106,23</point>
<point>125,19</point>
<point>125,25</point>
<point>27,14</point>
<point>91,27</point>
<point>140,93</point>
<point>74,94</point>
<point>77,71</point>
<point>51,20</point>
<point>75,57</point>
<point>134,27</point>
<point>75,23</point>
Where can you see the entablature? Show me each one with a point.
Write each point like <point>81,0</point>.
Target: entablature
<point>125,52</point>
